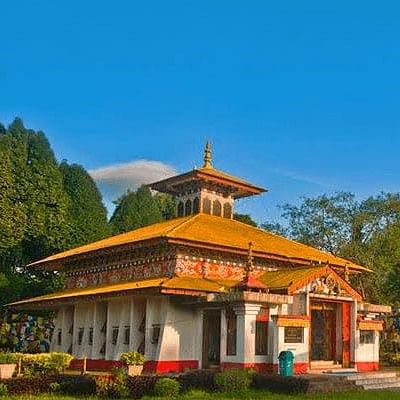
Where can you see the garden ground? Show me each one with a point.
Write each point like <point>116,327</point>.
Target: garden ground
<point>243,395</point>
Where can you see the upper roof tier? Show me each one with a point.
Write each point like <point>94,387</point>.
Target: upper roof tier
<point>208,231</point>
<point>229,184</point>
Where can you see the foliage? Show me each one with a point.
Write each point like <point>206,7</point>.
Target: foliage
<point>8,358</point>
<point>245,218</point>
<point>54,387</point>
<point>30,385</point>
<point>167,387</point>
<point>198,379</point>
<point>137,209</point>
<point>87,214</point>
<point>132,358</point>
<point>366,232</point>
<point>234,379</point>
<point>141,385</point>
<point>3,389</point>
<point>45,363</point>
<point>113,387</point>
<point>82,385</point>
<point>281,384</point>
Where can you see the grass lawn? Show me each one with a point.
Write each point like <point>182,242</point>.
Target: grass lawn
<point>245,395</point>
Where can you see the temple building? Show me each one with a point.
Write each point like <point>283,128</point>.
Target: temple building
<point>205,291</point>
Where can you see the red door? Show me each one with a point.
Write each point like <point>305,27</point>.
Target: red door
<point>346,314</point>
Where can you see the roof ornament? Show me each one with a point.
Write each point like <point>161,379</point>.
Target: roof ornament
<point>249,264</point>
<point>207,156</point>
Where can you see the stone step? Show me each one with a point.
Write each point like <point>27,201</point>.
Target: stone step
<point>340,371</point>
<point>370,375</point>
<point>376,386</point>
<point>374,381</point>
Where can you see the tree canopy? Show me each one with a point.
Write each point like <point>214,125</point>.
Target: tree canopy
<point>366,232</point>
<point>140,208</point>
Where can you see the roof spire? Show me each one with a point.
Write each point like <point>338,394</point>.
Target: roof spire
<point>207,156</point>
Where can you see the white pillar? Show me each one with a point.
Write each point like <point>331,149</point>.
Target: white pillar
<point>246,332</point>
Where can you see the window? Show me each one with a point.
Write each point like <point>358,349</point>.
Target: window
<point>181,208</point>
<point>227,210</point>
<point>59,337</point>
<point>294,334</point>
<point>231,333</point>
<point>80,335</point>
<point>207,206</point>
<point>115,333</point>
<point>367,337</point>
<point>127,334</point>
<point>188,207</point>
<point>91,337</point>
<point>155,334</point>
<point>262,332</point>
<point>217,208</point>
<point>196,205</point>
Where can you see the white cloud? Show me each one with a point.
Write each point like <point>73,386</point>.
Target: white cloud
<point>114,180</point>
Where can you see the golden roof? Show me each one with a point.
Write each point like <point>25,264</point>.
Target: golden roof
<point>214,232</point>
<point>181,283</point>
<point>294,279</point>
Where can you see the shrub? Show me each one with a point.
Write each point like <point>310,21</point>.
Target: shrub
<point>3,389</point>
<point>132,358</point>
<point>8,358</point>
<point>167,387</point>
<point>84,385</point>
<point>54,387</point>
<point>198,379</point>
<point>234,379</point>
<point>281,384</point>
<point>29,385</point>
<point>141,385</point>
<point>113,387</point>
<point>45,363</point>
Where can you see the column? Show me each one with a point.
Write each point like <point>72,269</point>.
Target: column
<point>246,332</point>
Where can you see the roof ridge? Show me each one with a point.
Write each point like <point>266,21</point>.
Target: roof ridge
<point>187,219</point>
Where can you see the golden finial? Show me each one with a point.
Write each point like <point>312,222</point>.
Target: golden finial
<point>207,156</point>
<point>249,264</point>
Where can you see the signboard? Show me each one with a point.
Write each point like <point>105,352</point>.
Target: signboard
<point>294,334</point>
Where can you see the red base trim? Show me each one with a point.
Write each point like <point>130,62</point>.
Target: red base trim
<point>95,365</point>
<point>163,367</point>
<point>365,366</point>
<point>298,368</point>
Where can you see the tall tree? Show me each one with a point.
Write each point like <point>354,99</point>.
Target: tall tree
<point>134,210</point>
<point>35,210</point>
<point>87,214</point>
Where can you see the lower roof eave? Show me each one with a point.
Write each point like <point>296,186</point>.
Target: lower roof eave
<point>249,297</point>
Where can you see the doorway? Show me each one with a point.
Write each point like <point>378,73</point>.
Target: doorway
<point>323,331</point>
<point>211,338</point>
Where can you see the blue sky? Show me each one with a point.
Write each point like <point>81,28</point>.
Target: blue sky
<point>301,97</point>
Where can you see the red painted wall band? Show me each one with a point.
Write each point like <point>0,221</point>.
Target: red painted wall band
<point>163,367</point>
<point>365,366</point>
<point>298,368</point>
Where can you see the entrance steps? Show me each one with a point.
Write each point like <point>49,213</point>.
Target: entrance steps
<point>375,380</point>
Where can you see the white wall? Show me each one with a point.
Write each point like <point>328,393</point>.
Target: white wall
<point>179,337</point>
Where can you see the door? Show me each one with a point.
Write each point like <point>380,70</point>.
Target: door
<point>323,332</point>
<point>346,312</point>
<point>211,338</point>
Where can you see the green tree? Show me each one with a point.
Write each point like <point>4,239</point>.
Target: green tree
<point>366,232</point>
<point>245,218</point>
<point>87,214</point>
<point>134,210</point>
<point>35,210</point>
